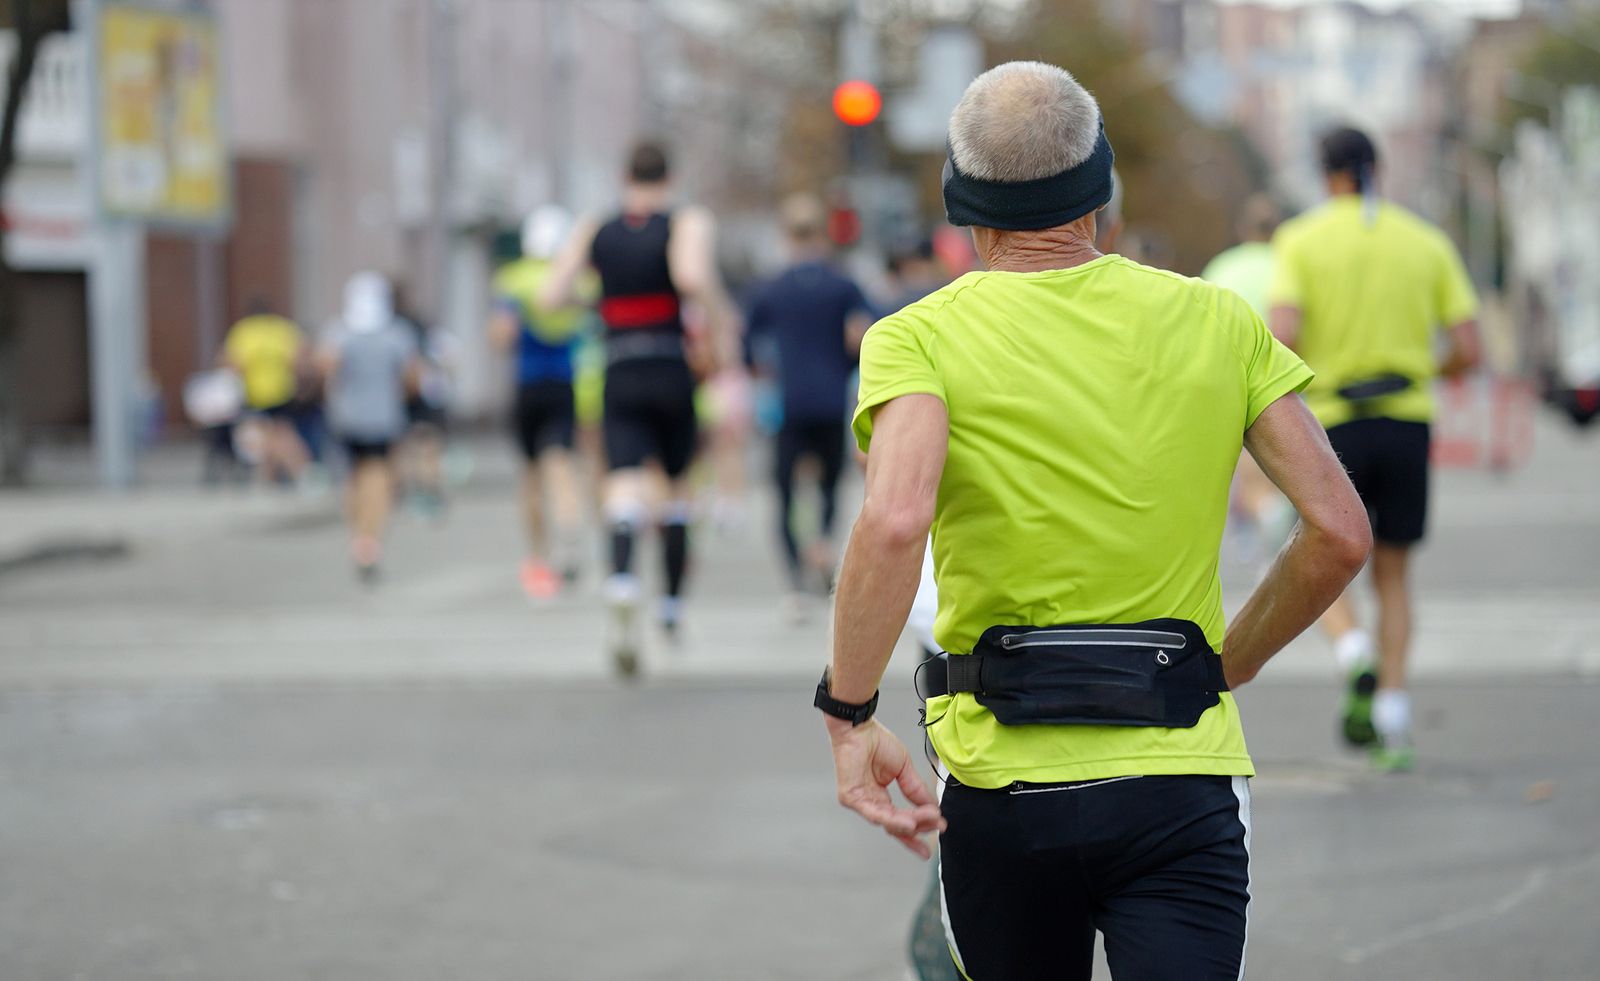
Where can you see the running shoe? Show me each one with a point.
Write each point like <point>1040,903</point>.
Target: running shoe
<point>1394,757</point>
<point>622,598</point>
<point>796,607</point>
<point>366,552</point>
<point>1356,722</point>
<point>539,581</point>
<point>671,617</point>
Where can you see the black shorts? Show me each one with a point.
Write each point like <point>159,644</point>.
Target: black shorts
<point>420,412</point>
<point>367,449</point>
<point>1388,463</point>
<point>545,417</point>
<point>1160,866</point>
<point>277,413</point>
<point>649,415</point>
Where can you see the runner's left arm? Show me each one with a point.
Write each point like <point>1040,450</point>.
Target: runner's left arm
<point>692,262</point>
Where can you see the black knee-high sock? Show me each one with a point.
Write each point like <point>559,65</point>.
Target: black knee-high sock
<point>675,549</point>
<point>622,548</point>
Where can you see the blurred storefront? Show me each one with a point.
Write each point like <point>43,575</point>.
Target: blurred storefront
<point>403,137</point>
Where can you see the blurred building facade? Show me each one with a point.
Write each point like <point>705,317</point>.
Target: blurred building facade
<point>406,136</point>
<point>1282,75</point>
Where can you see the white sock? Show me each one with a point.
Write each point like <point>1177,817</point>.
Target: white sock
<point>671,609</point>
<point>1391,713</point>
<point>622,589</point>
<point>1353,649</point>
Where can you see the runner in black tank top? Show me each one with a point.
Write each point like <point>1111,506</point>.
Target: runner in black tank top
<point>650,260</point>
<point>649,402</point>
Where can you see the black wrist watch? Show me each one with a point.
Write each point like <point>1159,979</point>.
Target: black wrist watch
<point>853,714</point>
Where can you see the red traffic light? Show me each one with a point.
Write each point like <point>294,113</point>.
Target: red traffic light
<point>857,103</point>
<point>844,226</point>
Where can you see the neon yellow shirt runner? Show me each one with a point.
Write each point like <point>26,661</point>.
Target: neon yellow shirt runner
<point>264,348</point>
<point>1247,270</point>
<point>520,281</point>
<point>1372,295</point>
<point>1096,414</point>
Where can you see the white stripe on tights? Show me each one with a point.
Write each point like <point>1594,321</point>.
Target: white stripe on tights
<point>944,917</point>
<point>944,908</point>
<point>1241,790</point>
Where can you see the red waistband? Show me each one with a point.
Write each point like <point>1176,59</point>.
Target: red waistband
<point>641,310</point>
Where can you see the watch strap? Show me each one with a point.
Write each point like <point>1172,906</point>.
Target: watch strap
<point>848,711</point>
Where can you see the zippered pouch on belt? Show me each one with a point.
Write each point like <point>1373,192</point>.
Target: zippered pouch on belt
<point>1154,673</point>
<point>1368,389</point>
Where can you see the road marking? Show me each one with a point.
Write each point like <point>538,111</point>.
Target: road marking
<point>1451,922</point>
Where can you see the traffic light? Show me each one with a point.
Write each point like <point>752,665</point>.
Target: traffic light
<point>857,103</point>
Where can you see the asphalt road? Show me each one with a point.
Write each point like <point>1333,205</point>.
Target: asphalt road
<point>222,759</point>
<point>688,830</point>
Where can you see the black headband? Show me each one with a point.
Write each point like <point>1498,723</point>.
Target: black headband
<point>1027,205</point>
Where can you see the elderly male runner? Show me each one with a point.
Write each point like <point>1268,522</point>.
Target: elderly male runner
<point>1066,423</point>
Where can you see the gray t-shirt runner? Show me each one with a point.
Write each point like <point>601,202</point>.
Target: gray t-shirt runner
<point>367,394</point>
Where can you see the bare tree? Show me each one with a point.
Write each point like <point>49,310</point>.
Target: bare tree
<point>31,21</point>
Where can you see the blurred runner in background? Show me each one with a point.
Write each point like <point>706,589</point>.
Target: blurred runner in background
<point>652,258</point>
<point>267,350</point>
<point>545,418</point>
<point>914,272</point>
<point>421,452</point>
<point>371,365</point>
<point>725,405</point>
<point>1246,269</point>
<point>1360,289</point>
<point>815,317</point>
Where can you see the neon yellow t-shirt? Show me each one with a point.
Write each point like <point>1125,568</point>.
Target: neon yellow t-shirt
<point>265,349</point>
<point>518,284</point>
<point>1372,295</point>
<point>1096,414</point>
<point>1247,270</point>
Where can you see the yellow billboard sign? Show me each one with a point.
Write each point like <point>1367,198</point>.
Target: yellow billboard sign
<point>163,153</point>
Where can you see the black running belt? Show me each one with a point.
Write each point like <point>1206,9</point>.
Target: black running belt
<point>1368,389</point>
<point>1153,673</point>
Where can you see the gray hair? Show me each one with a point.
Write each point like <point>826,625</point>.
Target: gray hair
<point>1021,121</point>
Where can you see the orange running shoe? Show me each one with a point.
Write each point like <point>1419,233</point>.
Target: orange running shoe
<point>539,581</point>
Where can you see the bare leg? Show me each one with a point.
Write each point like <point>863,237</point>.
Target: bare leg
<point>559,476</point>
<point>282,451</point>
<point>1390,580</point>
<point>369,496</point>
<point>425,463</point>
<point>1340,618</point>
<point>374,491</point>
<point>533,512</point>
<point>1352,647</point>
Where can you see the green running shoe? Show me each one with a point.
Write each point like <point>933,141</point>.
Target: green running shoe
<point>1357,717</point>
<point>1400,758</point>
